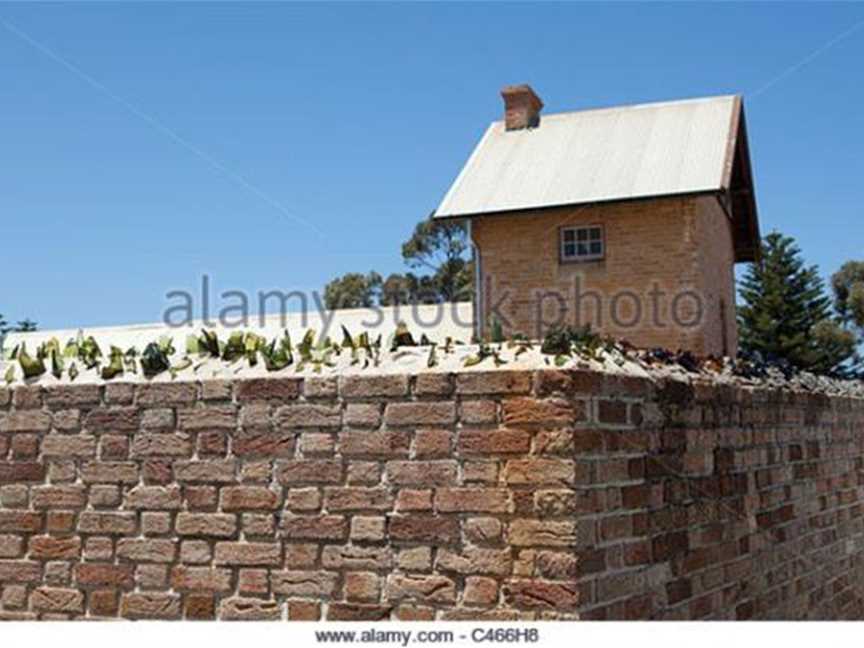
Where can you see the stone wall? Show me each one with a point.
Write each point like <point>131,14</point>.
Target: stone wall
<point>476,495</point>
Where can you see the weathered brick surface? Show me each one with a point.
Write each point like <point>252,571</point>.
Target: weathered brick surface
<point>484,495</point>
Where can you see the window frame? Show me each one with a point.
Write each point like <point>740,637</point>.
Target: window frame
<point>584,258</point>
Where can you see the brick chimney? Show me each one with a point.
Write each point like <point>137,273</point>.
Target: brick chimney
<point>521,107</point>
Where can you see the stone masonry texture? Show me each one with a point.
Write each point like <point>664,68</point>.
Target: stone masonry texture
<point>484,495</point>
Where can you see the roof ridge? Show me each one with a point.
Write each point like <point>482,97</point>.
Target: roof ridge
<point>634,106</point>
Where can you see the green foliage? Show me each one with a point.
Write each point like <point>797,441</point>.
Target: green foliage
<point>786,314</point>
<point>437,249</point>
<point>352,290</point>
<point>23,326</point>
<point>566,340</point>
<point>848,286</point>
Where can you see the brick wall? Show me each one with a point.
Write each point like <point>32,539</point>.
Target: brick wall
<point>672,245</point>
<point>480,495</point>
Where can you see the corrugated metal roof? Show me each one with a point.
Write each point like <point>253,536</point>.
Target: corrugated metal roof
<point>597,155</point>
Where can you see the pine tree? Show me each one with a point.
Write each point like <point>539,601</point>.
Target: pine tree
<point>786,314</point>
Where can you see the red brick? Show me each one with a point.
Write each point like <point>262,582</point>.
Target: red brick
<point>70,496</point>
<point>358,498</point>
<point>105,523</point>
<point>309,471</point>
<point>357,612</point>
<point>114,447</point>
<point>136,550</point>
<point>494,442</point>
<point>307,415</point>
<point>11,546</point>
<point>320,387</point>
<point>161,445</point>
<point>63,396</point>
<point>21,471</point>
<point>324,527</point>
<point>422,473</point>
<point>210,417</point>
<point>362,586</point>
<point>212,444</point>
<point>151,605</point>
<point>119,393</point>
<point>154,498</point>
<point>533,594</point>
<point>433,384</point>
<point>103,603</point>
<point>102,575</point>
<point>361,386</point>
<point>539,471</point>
<point>542,533</point>
<point>420,413</point>
<point>303,611</point>
<point>164,393</point>
<point>527,411</point>
<point>112,419</point>
<point>611,412</point>
<point>390,443</point>
<point>304,584</point>
<point>238,498</point>
<point>200,607</point>
<point>425,589</point>
<point>157,471</point>
<point>94,472</point>
<point>247,553</point>
<point>410,499</point>
<point>473,500</point>
<point>363,415</point>
<point>49,548</point>
<point>206,471</point>
<point>208,579</point>
<point>478,411</point>
<point>480,590</point>
<point>432,444</point>
<point>26,446</point>
<point>19,572</point>
<point>158,419</point>
<point>200,498</point>
<point>59,522</point>
<point>263,443</point>
<point>214,525</point>
<point>424,528</point>
<point>25,421</point>
<point>55,599</point>
<point>493,382</point>
<point>280,389</point>
<point>474,560</point>
<point>249,609</point>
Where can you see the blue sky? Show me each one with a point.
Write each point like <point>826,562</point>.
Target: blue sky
<point>278,145</point>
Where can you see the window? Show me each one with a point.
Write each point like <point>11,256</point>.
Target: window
<point>582,243</point>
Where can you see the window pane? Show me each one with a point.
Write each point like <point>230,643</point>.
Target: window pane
<point>569,250</point>
<point>595,233</point>
<point>582,234</point>
<point>568,235</point>
<point>582,249</point>
<point>596,247</point>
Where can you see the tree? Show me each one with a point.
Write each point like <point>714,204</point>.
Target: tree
<point>848,285</point>
<point>786,313</point>
<point>352,290</point>
<point>24,326</point>
<point>441,247</point>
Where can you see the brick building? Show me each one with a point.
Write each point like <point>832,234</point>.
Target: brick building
<point>628,218</point>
